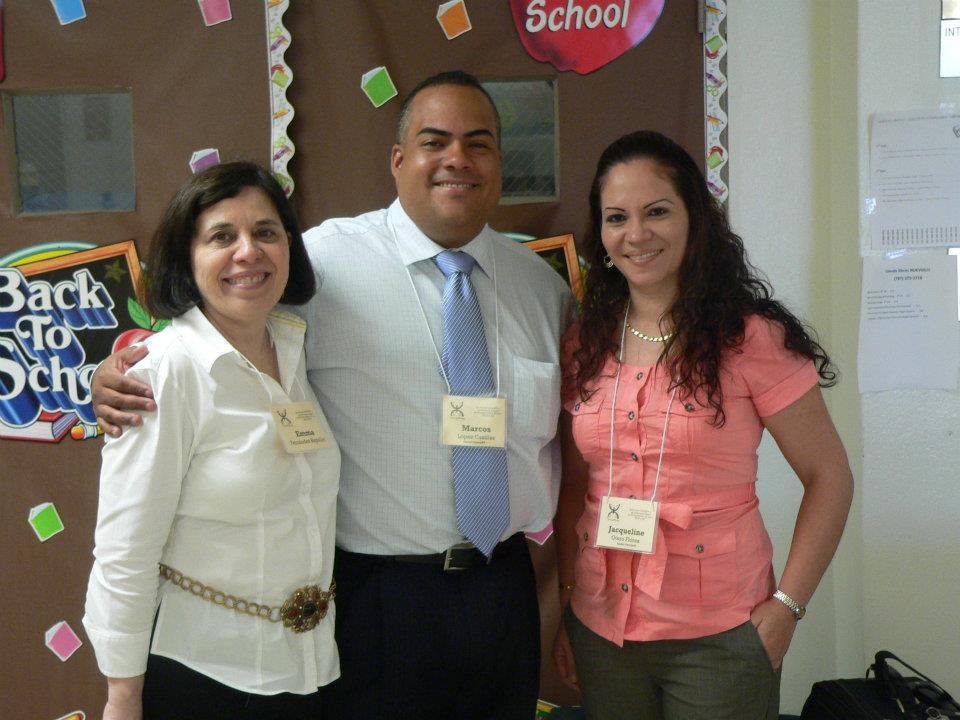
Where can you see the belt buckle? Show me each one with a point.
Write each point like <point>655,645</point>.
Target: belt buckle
<point>449,564</point>
<point>306,607</point>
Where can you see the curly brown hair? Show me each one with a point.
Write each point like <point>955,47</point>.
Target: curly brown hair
<point>718,287</point>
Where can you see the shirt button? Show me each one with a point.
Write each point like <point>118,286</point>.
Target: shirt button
<point>625,587</point>
<point>631,415</point>
<point>689,407</point>
<point>639,376</point>
<point>633,456</point>
<point>586,536</point>
<point>577,406</point>
<point>699,548</point>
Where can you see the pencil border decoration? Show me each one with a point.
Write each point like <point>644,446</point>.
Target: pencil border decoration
<point>279,78</point>
<point>716,155</point>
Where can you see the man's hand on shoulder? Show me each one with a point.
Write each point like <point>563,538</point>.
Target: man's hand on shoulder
<point>114,394</point>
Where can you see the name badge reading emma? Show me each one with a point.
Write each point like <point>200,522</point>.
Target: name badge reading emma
<point>627,524</point>
<point>299,427</point>
<point>473,421</point>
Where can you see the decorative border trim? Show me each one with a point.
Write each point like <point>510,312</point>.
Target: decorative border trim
<point>714,96</point>
<point>280,76</point>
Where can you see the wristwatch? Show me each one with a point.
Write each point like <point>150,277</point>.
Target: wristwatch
<point>796,608</point>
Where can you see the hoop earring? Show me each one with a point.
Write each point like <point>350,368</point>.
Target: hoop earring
<point>607,261</point>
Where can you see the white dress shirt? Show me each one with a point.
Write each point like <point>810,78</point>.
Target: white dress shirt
<point>374,330</point>
<point>205,487</point>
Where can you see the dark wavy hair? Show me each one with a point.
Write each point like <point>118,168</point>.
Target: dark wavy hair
<point>717,287</point>
<point>167,285</point>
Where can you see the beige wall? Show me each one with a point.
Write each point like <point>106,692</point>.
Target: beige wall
<point>804,79</point>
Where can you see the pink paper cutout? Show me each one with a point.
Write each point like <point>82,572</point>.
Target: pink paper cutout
<point>215,11</point>
<point>541,536</point>
<point>62,640</point>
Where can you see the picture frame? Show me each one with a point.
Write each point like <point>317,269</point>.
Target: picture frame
<point>560,253</point>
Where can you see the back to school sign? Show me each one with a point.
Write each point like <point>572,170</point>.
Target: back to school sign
<point>59,317</point>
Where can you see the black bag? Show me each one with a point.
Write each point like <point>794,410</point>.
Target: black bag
<point>886,696</point>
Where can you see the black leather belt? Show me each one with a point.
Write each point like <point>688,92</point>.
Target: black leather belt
<point>458,557</point>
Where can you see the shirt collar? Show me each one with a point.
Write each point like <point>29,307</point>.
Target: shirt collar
<point>200,336</point>
<point>414,246</point>
<point>206,343</point>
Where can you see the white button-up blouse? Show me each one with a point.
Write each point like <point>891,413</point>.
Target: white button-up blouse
<point>205,486</point>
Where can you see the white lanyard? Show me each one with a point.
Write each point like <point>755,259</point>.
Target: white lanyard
<point>423,314</point>
<point>300,433</point>
<point>613,408</point>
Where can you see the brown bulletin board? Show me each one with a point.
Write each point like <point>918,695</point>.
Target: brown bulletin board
<point>195,87</point>
<point>343,142</point>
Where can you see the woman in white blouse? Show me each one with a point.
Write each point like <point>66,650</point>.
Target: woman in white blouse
<point>211,594</point>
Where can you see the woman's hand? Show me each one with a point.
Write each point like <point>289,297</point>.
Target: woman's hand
<point>124,699</point>
<point>563,657</point>
<point>775,624</point>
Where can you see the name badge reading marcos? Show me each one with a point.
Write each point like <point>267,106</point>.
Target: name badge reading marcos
<point>473,421</point>
<point>298,427</point>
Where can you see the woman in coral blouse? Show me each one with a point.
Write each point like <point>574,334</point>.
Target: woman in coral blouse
<point>679,361</point>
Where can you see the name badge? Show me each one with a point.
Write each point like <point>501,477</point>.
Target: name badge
<point>627,524</point>
<point>298,427</point>
<point>473,421</point>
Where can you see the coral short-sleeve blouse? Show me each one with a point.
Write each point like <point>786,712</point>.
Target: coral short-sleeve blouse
<point>711,563</point>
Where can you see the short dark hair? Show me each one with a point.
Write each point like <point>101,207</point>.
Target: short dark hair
<point>167,285</point>
<point>448,77</point>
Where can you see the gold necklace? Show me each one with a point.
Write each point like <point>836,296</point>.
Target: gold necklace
<point>649,338</point>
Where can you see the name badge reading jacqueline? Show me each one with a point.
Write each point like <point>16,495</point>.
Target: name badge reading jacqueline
<point>627,524</point>
<point>299,427</point>
<point>473,421</point>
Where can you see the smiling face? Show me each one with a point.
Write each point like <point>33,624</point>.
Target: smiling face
<point>240,259</point>
<point>644,226</point>
<point>447,168</point>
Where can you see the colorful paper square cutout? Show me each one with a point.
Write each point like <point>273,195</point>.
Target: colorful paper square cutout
<point>453,18</point>
<point>45,521</point>
<point>62,640</point>
<point>69,11</point>
<point>202,159</point>
<point>215,11</point>
<point>378,86</point>
<point>541,536</point>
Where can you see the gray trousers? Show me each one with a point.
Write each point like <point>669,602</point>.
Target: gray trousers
<point>726,676</point>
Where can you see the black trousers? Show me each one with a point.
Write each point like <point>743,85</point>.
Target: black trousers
<point>172,691</point>
<point>417,642</point>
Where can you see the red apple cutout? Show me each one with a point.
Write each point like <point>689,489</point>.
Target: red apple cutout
<point>583,35</point>
<point>147,326</point>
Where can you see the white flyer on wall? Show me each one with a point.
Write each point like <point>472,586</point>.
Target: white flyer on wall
<point>914,182</point>
<point>909,334</point>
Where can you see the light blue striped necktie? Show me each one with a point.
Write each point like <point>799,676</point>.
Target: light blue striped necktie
<point>479,473</point>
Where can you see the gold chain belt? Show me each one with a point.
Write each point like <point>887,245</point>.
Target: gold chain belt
<point>301,612</point>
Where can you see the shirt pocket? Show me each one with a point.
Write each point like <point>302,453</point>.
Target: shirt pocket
<point>688,422</point>
<point>701,567</point>
<point>590,570</point>
<point>536,391</point>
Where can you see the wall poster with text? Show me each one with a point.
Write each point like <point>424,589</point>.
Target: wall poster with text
<point>60,315</point>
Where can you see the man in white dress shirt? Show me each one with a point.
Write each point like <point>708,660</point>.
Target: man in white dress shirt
<point>426,629</point>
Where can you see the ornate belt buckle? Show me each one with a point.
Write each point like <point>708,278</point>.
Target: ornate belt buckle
<point>306,607</point>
